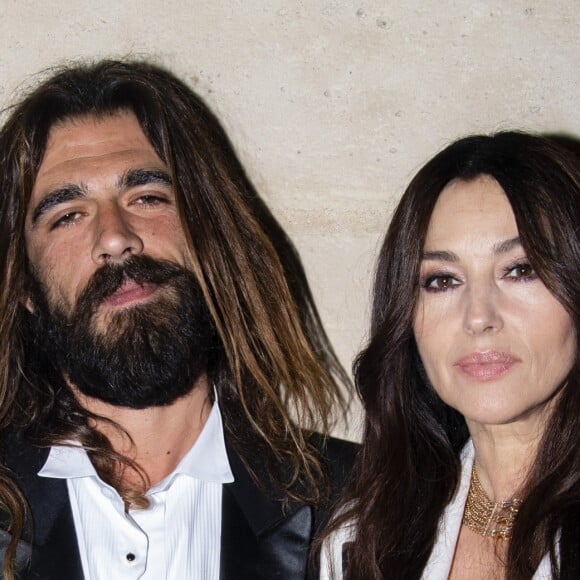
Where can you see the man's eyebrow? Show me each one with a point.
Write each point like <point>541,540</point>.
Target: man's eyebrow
<point>137,177</point>
<point>63,194</point>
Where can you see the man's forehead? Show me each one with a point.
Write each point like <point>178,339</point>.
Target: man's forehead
<point>90,130</point>
<point>88,139</point>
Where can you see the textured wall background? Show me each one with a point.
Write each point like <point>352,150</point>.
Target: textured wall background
<point>333,105</point>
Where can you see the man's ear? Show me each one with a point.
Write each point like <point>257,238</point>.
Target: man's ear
<point>26,301</point>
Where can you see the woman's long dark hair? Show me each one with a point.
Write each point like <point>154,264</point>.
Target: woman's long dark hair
<point>409,467</point>
<point>275,371</point>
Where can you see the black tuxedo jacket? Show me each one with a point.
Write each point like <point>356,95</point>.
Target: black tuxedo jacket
<point>260,540</point>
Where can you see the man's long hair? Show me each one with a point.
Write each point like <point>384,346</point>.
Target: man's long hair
<point>275,372</point>
<point>409,466</point>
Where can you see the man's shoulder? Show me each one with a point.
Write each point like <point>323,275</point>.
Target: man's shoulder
<point>335,447</point>
<point>20,455</point>
<point>338,456</point>
<point>338,453</point>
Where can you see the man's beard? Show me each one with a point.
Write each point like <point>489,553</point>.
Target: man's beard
<point>148,354</point>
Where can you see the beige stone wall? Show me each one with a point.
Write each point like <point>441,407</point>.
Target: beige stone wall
<point>332,104</point>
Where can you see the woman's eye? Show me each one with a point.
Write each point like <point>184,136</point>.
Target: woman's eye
<point>520,272</point>
<point>440,283</point>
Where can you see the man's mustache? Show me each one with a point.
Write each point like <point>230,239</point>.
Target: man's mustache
<point>109,278</point>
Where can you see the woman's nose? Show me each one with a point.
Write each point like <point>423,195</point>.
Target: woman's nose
<point>482,311</point>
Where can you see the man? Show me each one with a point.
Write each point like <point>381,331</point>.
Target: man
<point>157,355</point>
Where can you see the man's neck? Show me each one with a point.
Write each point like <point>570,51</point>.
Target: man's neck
<point>156,438</point>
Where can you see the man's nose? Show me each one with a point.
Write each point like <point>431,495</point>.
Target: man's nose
<point>482,310</point>
<point>115,239</point>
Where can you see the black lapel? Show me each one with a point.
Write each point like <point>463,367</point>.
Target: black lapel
<point>260,539</point>
<point>50,531</point>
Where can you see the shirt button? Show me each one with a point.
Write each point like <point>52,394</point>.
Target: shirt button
<point>130,557</point>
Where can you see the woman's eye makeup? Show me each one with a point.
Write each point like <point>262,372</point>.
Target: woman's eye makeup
<point>521,272</point>
<point>439,282</point>
<point>442,281</point>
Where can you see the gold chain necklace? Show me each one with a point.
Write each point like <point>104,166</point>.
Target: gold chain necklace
<point>486,518</point>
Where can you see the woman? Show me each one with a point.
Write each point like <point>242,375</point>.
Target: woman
<point>470,465</point>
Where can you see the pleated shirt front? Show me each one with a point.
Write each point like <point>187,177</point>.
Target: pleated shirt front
<point>176,538</point>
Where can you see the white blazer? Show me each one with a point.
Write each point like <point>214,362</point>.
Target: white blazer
<point>439,563</point>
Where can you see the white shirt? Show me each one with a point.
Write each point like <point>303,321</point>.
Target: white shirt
<point>176,538</point>
<point>439,564</point>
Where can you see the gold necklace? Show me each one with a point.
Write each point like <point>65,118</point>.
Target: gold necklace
<point>486,518</point>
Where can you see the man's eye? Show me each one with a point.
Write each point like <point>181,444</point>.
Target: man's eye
<point>65,220</point>
<point>150,200</point>
<point>440,283</point>
<point>522,271</point>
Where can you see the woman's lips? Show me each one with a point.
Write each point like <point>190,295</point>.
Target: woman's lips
<point>129,293</point>
<point>488,365</point>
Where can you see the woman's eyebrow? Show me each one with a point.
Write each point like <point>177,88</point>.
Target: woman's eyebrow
<point>498,248</point>
<point>442,256</point>
<point>507,245</point>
